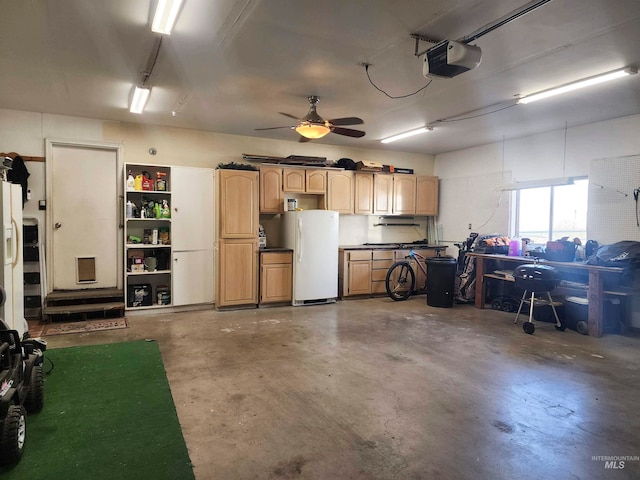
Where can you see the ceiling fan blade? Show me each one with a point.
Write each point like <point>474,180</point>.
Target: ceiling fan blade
<point>289,115</point>
<point>347,121</point>
<point>349,132</point>
<point>274,128</point>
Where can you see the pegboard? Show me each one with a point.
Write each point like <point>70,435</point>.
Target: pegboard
<point>611,214</point>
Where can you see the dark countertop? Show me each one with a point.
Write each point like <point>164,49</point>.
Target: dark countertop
<point>393,246</point>
<point>275,249</point>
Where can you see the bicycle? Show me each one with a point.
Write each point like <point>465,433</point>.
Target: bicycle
<point>401,278</point>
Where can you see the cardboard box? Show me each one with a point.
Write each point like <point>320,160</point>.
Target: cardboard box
<point>365,166</point>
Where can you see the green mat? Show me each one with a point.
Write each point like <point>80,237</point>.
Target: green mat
<point>108,414</point>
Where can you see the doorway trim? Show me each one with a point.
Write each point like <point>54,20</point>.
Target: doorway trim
<point>50,144</point>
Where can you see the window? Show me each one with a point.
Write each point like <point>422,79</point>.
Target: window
<point>550,213</point>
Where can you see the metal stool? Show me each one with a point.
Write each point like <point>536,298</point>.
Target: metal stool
<point>535,278</point>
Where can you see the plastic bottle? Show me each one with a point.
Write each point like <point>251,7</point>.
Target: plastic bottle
<point>131,181</point>
<point>129,209</point>
<point>166,211</point>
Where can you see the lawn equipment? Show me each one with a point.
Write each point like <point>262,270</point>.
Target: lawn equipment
<point>21,389</point>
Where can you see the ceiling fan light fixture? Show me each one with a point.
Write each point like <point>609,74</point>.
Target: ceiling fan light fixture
<point>139,100</point>
<point>585,82</point>
<point>166,16</point>
<point>312,130</point>
<point>410,133</point>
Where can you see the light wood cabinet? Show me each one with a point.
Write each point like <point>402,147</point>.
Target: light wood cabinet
<point>238,272</point>
<point>381,261</point>
<point>340,191</point>
<point>382,194</point>
<point>276,270</point>
<point>363,198</point>
<point>354,272</point>
<point>426,195</point>
<point>304,180</point>
<point>271,195</point>
<point>316,181</point>
<point>404,194</point>
<point>238,205</point>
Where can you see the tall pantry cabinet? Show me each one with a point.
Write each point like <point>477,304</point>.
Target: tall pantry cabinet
<point>237,237</point>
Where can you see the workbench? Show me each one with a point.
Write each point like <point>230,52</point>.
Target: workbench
<point>596,290</point>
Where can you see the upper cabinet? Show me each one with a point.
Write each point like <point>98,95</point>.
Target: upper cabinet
<point>426,195</point>
<point>382,194</point>
<point>237,203</point>
<point>304,180</point>
<point>271,195</point>
<point>340,191</point>
<point>363,198</point>
<point>404,194</point>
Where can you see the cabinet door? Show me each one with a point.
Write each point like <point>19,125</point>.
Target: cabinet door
<point>404,194</point>
<point>426,195</point>
<point>340,191</point>
<point>363,194</point>
<point>237,272</point>
<point>192,208</point>
<point>316,181</point>
<point>271,195</point>
<point>360,278</point>
<point>275,281</point>
<point>192,277</point>
<point>238,208</point>
<point>293,180</point>
<point>382,194</point>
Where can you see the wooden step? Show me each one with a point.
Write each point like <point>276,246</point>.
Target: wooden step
<point>71,295</point>
<point>83,310</point>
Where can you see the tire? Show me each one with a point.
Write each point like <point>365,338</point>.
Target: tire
<point>12,439</point>
<point>35,398</point>
<point>582,328</point>
<point>400,281</point>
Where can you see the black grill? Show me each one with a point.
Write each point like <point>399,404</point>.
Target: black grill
<point>536,278</point>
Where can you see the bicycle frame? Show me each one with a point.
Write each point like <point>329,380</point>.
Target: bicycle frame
<point>419,260</point>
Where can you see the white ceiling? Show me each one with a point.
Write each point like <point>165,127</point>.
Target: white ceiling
<point>231,65</point>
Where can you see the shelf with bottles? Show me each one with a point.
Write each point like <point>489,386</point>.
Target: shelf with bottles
<point>147,207</point>
<point>147,178</point>
<point>148,236</point>
<point>151,259</point>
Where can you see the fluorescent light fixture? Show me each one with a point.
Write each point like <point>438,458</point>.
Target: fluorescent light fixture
<point>312,130</point>
<point>140,96</point>
<point>550,182</point>
<point>569,87</point>
<point>411,133</point>
<point>166,16</point>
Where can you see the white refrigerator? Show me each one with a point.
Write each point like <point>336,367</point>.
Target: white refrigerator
<point>11,273</point>
<point>313,237</point>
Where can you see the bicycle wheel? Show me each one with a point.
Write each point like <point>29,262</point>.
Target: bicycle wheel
<point>400,281</point>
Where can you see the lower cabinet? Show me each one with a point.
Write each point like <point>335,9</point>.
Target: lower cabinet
<point>192,277</point>
<point>354,272</point>
<point>237,282</point>
<point>276,269</point>
<point>381,261</point>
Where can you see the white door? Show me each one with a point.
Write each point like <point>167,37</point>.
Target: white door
<point>82,216</point>
<point>192,210</point>
<point>192,277</point>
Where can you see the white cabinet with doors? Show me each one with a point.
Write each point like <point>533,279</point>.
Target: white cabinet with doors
<point>192,220</point>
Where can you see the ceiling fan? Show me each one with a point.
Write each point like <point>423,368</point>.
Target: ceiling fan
<point>313,126</point>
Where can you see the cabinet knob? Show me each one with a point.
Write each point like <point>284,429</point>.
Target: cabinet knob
<point>58,225</point>
<point>175,209</point>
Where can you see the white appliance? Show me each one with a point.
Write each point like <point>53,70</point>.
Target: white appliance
<point>11,273</point>
<point>313,237</point>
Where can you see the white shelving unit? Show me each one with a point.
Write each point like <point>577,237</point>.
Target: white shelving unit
<point>149,287</point>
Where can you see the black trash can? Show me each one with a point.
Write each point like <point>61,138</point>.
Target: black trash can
<point>441,281</point>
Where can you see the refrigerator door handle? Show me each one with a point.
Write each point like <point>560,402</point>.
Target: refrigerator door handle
<point>16,243</point>
<point>299,242</point>
<point>7,241</point>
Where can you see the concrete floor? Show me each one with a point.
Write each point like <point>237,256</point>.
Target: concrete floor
<point>376,389</point>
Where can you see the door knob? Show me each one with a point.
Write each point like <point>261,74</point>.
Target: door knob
<point>58,225</point>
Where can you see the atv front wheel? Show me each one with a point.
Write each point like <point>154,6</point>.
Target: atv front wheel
<point>14,430</point>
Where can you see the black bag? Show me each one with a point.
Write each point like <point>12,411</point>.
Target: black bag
<point>625,254</point>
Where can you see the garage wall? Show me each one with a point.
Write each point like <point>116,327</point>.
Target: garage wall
<point>25,133</point>
<point>561,153</point>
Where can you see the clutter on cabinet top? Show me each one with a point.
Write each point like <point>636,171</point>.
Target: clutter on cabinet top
<point>236,166</point>
<point>366,166</point>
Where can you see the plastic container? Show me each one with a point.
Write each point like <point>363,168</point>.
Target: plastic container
<point>515,247</point>
<point>441,279</point>
<point>576,315</point>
